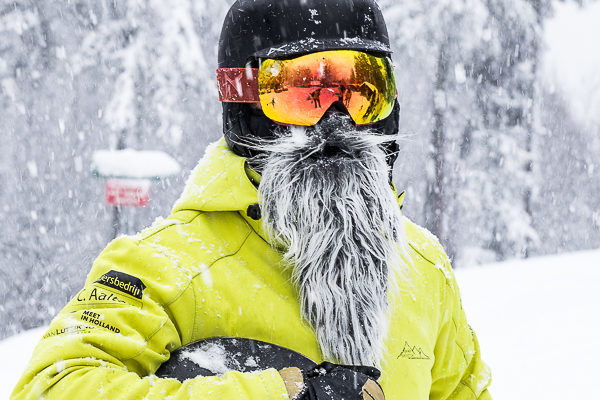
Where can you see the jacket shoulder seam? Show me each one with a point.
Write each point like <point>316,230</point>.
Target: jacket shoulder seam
<point>464,353</point>
<point>252,228</point>
<point>421,254</point>
<point>210,266</point>
<point>438,267</point>
<point>191,283</point>
<point>165,319</point>
<point>153,233</point>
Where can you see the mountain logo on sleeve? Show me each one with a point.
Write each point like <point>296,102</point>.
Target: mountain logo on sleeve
<point>123,282</point>
<point>413,352</point>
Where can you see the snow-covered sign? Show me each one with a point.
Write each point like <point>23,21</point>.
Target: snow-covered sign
<point>128,192</point>
<point>132,164</point>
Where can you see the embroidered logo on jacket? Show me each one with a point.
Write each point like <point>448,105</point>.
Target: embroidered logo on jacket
<point>123,282</point>
<point>413,352</point>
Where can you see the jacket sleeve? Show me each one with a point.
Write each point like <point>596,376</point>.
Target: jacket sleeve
<point>135,308</point>
<point>459,372</point>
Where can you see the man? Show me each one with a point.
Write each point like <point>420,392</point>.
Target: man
<point>289,231</point>
<point>316,97</point>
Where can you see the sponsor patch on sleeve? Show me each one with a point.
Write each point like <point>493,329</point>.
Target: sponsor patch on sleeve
<point>102,296</point>
<point>98,320</point>
<point>68,330</point>
<point>125,283</point>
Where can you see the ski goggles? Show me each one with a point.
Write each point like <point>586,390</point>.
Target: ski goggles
<point>299,91</point>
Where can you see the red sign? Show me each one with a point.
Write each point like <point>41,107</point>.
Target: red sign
<point>127,192</point>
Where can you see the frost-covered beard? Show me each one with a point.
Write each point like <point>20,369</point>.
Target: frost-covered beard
<point>327,202</point>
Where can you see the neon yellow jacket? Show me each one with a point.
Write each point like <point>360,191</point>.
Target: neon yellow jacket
<point>208,271</point>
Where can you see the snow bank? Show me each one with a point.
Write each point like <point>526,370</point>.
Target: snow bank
<point>130,163</point>
<point>537,322</point>
<point>15,353</point>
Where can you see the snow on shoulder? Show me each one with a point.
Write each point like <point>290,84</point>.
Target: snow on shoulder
<point>129,163</point>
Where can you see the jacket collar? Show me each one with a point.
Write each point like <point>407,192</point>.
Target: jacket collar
<point>220,183</point>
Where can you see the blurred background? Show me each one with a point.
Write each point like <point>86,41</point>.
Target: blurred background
<point>500,127</point>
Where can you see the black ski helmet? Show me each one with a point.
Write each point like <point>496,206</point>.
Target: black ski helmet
<point>255,29</point>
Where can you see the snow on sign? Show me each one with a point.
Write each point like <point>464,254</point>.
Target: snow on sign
<point>132,164</point>
<point>128,174</point>
<point>128,192</point>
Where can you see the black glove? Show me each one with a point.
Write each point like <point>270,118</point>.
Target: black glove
<point>329,381</point>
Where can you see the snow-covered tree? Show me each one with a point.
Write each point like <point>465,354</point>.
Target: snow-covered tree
<point>74,77</point>
<point>30,78</point>
<point>158,60</point>
<point>567,211</point>
<point>440,35</point>
<point>154,53</point>
<point>499,161</point>
<point>480,61</point>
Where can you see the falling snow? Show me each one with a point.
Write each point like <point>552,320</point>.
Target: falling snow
<point>516,102</point>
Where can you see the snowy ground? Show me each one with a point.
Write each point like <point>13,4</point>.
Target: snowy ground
<point>15,353</point>
<point>538,324</point>
<point>537,321</point>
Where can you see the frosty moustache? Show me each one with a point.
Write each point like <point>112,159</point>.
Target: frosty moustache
<point>327,203</point>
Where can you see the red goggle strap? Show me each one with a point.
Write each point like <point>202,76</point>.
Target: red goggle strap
<point>238,85</point>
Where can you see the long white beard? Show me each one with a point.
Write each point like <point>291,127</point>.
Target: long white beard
<point>338,223</point>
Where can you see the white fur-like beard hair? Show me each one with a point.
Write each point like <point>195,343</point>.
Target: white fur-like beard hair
<point>338,223</point>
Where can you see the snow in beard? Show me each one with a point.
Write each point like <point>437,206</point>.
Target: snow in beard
<point>327,202</point>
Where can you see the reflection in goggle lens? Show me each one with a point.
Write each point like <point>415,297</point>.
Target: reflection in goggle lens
<point>299,91</point>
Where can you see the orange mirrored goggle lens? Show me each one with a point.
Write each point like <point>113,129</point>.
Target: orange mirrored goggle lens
<point>299,91</point>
